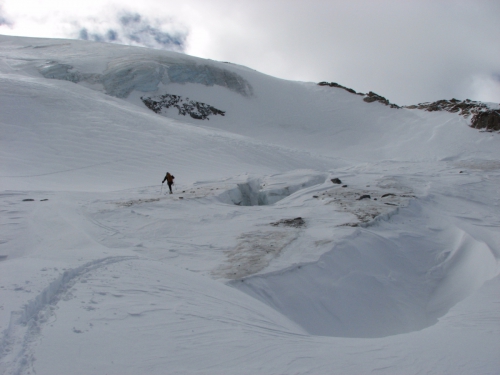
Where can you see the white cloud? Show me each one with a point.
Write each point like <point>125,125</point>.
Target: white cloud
<point>486,88</point>
<point>4,19</point>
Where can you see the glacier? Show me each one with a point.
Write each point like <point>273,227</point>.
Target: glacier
<point>259,262</point>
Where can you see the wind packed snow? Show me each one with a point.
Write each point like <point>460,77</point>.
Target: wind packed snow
<point>309,232</point>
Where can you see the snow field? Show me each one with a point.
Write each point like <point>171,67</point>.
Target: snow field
<point>116,304</point>
<point>102,273</point>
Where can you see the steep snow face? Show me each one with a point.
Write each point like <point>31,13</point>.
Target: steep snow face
<point>319,119</point>
<point>116,145</point>
<point>125,75</point>
<point>120,69</point>
<point>366,285</point>
<point>302,222</point>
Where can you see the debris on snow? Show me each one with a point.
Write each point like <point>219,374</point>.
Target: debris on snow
<point>137,201</point>
<point>253,253</point>
<point>365,204</point>
<point>295,223</point>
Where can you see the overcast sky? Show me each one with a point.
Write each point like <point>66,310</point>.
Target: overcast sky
<point>409,51</point>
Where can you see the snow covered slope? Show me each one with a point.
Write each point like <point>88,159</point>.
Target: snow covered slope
<point>309,231</point>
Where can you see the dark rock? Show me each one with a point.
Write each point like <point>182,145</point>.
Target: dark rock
<point>488,120</point>
<point>373,97</point>
<point>43,200</point>
<point>334,84</point>
<point>336,181</point>
<point>315,196</point>
<point>369,98</point>
<point>344,185</point>
<point>388,195</point>
<point>196,116</point>
<point>296,223</point>
<point>482,116</point>
<point>28,200</point>
<point>349,225</point>
<point>365,196</point>
<point>196,110</point>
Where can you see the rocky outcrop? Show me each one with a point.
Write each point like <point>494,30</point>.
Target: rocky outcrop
<point>369,98</point>
<point>462,107</point>
<point>334,84</point>
<point>372,97</point>
<point>196,110</point>
<point>487,120</point>
<point>483,117</point>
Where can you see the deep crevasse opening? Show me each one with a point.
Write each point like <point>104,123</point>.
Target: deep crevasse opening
<point>267,191</point>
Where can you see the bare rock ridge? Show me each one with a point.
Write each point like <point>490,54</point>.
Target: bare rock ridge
<point>369,98</point>
<point>335,84</point>
<point>372,97</point>
<point>483,117</point>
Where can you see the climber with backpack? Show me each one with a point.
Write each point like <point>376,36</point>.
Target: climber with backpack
<point>170,181</point>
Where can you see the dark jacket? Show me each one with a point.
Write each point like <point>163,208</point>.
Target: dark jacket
<point>169,178</point>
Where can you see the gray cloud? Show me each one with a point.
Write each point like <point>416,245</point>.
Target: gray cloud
<point>133,28</point>
<point>409,51</point>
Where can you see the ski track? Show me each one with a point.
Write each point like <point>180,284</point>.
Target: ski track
<point>16,345</point>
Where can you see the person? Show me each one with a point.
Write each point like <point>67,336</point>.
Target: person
<point>170,181</point>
